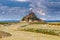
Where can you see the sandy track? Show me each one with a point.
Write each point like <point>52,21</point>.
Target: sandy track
<point>23,35</point>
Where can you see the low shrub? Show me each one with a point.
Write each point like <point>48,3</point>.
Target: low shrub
<point>44,31</point>
<point>38,23</point>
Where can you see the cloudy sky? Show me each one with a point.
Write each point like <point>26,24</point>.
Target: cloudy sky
<point>17,9</point>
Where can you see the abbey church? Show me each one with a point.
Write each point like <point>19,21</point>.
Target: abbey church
<point>31,17</point>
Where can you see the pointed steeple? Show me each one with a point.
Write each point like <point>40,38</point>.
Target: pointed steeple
<point>31,12</point>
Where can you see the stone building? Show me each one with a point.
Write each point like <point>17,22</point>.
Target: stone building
<point>31,17</point>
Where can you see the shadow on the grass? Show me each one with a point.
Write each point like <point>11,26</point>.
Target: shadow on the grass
<point>4,34</point>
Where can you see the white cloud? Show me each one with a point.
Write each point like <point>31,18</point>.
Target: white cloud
<point>12,12</point>
<point>21,0</point>
<point>3,13</point>
<point>38,7</point>
<point>43,18</point>
<point>48,16</point>
<point>41,12</point>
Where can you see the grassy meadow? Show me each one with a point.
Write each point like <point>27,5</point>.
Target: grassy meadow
<point>52,28</point>
<point>30,31</point>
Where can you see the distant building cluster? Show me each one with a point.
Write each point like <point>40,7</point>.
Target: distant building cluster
<point>31,18</point>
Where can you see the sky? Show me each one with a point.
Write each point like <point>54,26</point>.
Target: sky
<point>17,9</point>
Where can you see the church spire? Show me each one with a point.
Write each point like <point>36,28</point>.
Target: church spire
<point>31,10</point>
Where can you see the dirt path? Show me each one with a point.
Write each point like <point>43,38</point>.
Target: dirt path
<point>22,35</point>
